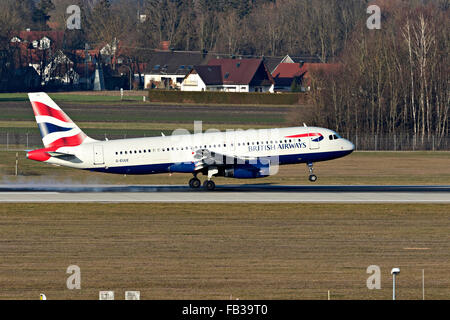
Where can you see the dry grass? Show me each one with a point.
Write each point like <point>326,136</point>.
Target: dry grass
<point>255,251</point>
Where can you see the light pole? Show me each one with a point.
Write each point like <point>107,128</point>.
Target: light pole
<point>394,272</point>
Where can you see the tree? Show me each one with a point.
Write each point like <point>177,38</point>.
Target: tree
<point>41,14</point>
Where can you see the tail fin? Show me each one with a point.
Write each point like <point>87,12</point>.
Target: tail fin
<point>57,130</point>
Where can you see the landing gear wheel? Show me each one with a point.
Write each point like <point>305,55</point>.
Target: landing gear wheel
<point>209,185</point>
<point>313,178</point>
<point>194,183</point>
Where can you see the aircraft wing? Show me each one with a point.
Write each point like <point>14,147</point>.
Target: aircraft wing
<point>205,158</point>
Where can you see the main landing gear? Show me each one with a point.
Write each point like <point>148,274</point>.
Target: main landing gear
<point>209,185</point>
<point>312,176</point>
<point>195,183</point>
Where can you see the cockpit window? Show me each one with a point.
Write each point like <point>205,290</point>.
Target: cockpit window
<point>334,136</point>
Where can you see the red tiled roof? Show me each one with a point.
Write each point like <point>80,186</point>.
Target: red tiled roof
<point>320,67</point>
<point>326,68</point>
<point>81,54</point>
<point>237,71</point>
<point>30,36</point>
<point>288,70</point>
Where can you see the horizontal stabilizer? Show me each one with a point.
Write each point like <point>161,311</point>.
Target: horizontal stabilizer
<point>60,155</point>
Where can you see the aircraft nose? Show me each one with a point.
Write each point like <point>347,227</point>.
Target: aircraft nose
<point>350,145</point>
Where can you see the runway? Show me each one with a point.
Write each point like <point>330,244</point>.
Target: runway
<point>258,193</point>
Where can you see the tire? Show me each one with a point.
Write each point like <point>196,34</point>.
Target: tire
<point>209,185</point>
<point>313,178</point>
<point>194,183</point>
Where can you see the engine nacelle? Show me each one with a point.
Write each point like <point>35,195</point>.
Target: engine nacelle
<point>248,171</point>
<point>182,167</point>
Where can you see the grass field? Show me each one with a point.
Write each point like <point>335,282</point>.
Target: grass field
<point>257,251</point>
<point>105,97</point>
<point>378,168</point>
<point>82,96</point>
<point>100,115</point>
<point>214,251</point>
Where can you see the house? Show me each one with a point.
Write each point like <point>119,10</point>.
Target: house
<point>288,76</point>
<point>273,62</point>
<point>203,78</point>
<point>39,39</point>
<point>318,69</point>
<point>231,75</point>
<point>168,68</point>
<point>37,49</point>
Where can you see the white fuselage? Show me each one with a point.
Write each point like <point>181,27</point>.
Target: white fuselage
<point>159,154</point>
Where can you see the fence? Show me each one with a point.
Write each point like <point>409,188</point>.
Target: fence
<point>10,141</point>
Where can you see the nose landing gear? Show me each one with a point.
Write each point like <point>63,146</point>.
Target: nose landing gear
<point>312,176</point>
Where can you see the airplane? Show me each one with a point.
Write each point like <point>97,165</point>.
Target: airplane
<point>233,154</point>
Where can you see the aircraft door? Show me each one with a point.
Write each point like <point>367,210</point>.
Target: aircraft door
<point>98,154</point>
<point>314,143</point>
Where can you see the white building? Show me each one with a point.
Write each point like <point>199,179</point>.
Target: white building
<point>230,75</point>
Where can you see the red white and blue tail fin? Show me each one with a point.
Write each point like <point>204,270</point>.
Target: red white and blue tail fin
<point>57,130</point>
